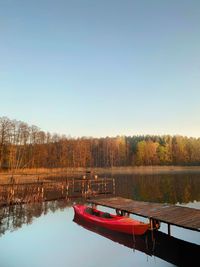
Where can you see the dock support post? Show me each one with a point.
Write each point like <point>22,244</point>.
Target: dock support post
<point>151,224</point>
<point>113,186</point>
<point>73,186</point>
<point>42,192</point>
<point>67,189</point>
<point>94,206</point>
<point>169,229</point>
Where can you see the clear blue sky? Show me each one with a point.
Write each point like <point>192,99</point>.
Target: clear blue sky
<point>101,67</point>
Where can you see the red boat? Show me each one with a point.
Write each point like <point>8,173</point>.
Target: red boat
<point>112,222</point>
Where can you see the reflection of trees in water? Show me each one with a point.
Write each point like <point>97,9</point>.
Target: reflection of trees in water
<point>169,188</point>
<point>13,217</point>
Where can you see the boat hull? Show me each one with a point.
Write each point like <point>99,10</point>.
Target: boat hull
<point>115,223</point>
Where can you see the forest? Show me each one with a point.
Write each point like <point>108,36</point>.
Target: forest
<point>25,146</point>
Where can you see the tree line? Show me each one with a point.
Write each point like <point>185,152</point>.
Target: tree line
<point>25,146</point>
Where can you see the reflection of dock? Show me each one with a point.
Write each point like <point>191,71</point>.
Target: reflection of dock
<point>172,215</point>
<point>163,246</point>
<point>18,193</point>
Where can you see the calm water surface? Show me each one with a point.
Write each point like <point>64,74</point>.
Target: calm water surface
<point>45,234</point>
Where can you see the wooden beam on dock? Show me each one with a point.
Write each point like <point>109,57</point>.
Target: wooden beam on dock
<point>188,218</point>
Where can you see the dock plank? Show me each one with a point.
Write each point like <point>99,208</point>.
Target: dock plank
<point>188,218</point>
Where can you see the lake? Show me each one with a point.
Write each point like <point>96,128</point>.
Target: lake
<point>45,234</point>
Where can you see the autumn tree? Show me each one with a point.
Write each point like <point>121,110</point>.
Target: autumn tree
<point>25,146</point>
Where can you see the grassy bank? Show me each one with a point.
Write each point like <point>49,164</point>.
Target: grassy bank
<point>150,169</point>
<point>29,175</point>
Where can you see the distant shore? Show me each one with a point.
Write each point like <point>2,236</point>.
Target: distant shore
<point>151,169</point>
<point>126,169</point>
<point>29,175</point>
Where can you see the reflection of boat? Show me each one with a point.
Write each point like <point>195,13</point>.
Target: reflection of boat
<point>159,244</point>
<point>134,242</point>
<point>112,222</point>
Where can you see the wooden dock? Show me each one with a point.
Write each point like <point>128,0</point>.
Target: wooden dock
<point>21,193</point>
<point>188,218</point>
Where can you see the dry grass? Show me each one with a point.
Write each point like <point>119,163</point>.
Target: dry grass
<point>30,175</point>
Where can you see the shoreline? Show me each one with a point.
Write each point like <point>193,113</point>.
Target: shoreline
<point>133,169</point>
<point>40,174</point>
<point>152,169</point>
